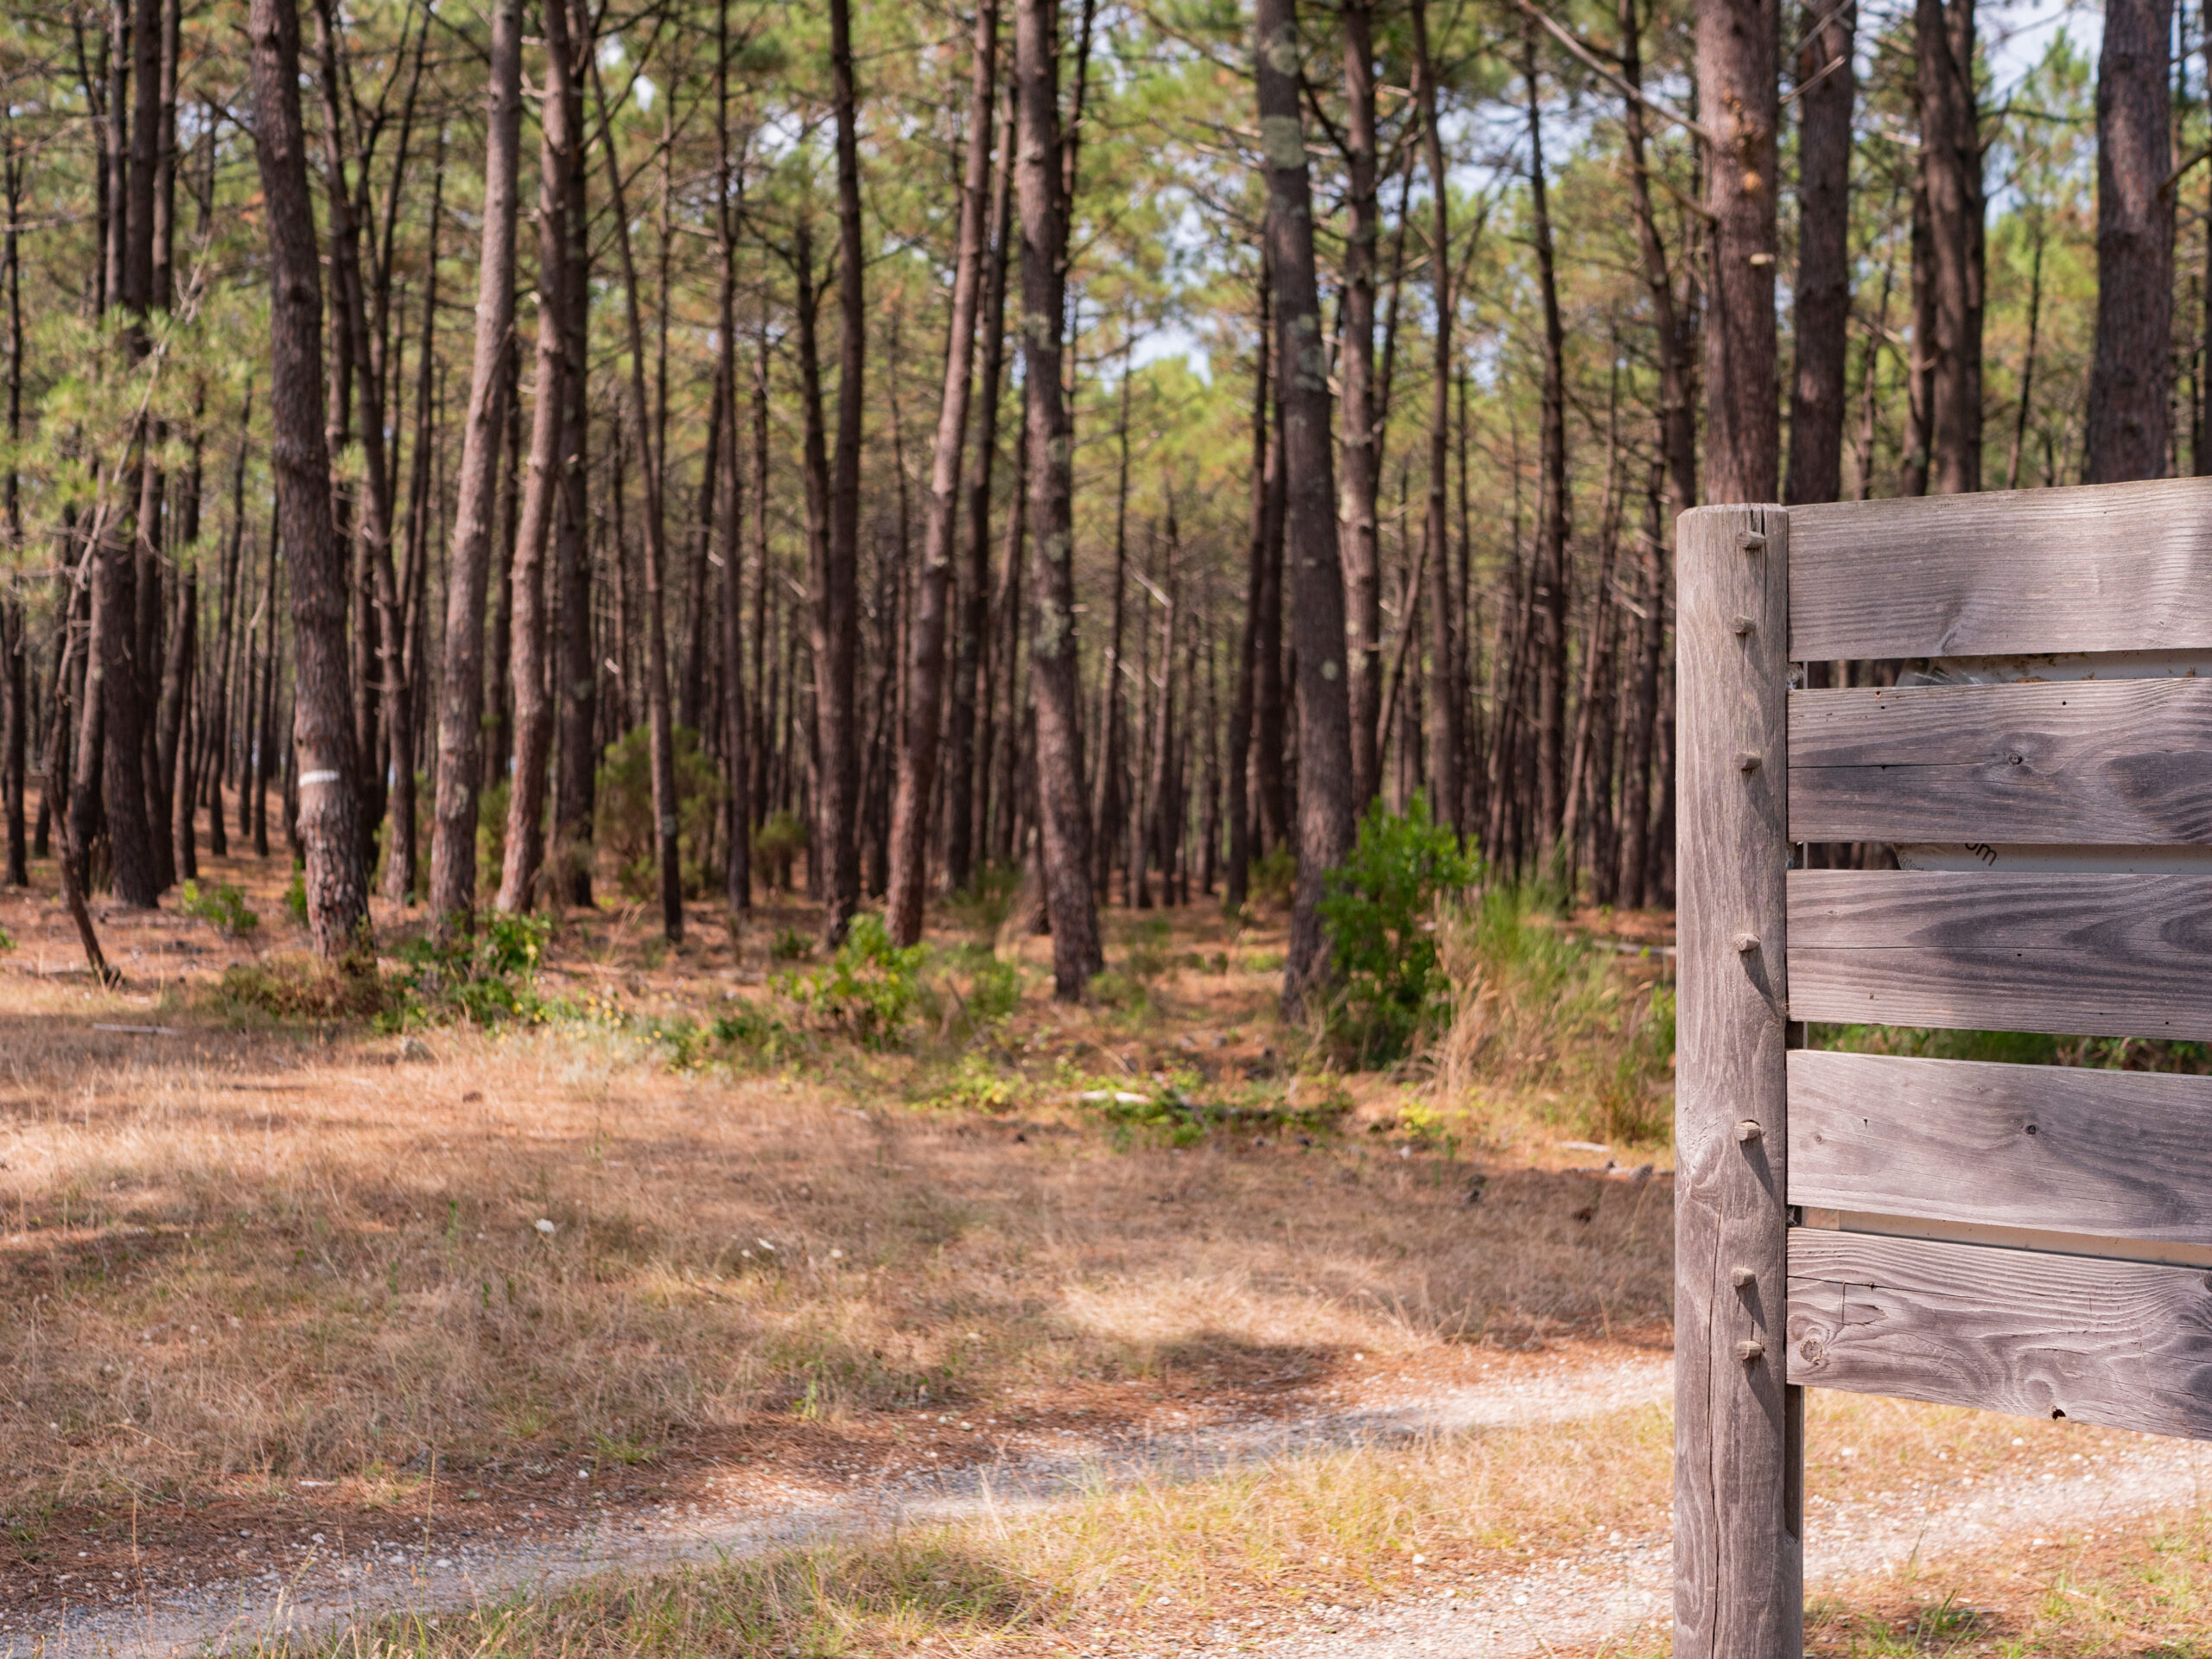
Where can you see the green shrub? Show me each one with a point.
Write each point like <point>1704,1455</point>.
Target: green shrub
<point>778,844</point>
<point>223,906</point>
<point>791,944</point>
<point>485,978</point>
<point>625,822</point>
<point>1148,955</point>
<point>868,990</point>
<point>975,1085</point>
<point>1380,911</point>
<point>1274,876</point>
<point>300,988</point>
<point>982,906</point>
<point>295,896</point>
<point>1537,1007</point>
<point>492,835</point>
<point>757,1035</point>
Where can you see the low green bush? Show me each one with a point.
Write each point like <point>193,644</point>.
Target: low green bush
<point>223,906</point>
<point>486,978</point>
<point>1274,876</point>
<point>1380,910</point>
<point>779,843</point>
<point>625,812</point>
<point>869,990</point>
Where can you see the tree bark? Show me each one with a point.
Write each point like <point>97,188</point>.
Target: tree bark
<point>323,732</point>
<point>1236,878</point>
<point>1950,153</point>
<point>837,580</point>
<point>1548,570</point>
<point>461,690</point>
<point>2132,375</point>
<point>964,834</point>
<point>1823,294</point>
<point>1362,449</point>
<point>1326,812</point>
<point>917,751</point>
<point>1449,743</point>
<point>661,734</point>
<point>1741,101</point>
<point>533,709</point>
<point>1062,813</point>
<point>575,668</point>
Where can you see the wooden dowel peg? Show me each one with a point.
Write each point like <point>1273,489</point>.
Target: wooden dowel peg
<point>1749,1349</point>
<point>1749,1130</point>
<point>1741,1277</point>
<point>1746,942</point>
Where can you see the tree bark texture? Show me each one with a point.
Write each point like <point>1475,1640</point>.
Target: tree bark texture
<point>1361,446</point>
<point>918,749</point>
<point>1063,814</point>
<point>1315,574</point>
<point>2131,377</point>
<point>460,691</point>
<point>1950,153</point>
<point>337,876</point>
<point>1824,295</point>
<point>1737,92</point>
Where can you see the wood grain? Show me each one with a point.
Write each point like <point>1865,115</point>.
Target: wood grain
<point>2116,1343</point>
<point>2108,566</point>
<point>2082,763</point>
<point>2123,1154</point>
<point>2122,955</point>
<point>1738,1588</point>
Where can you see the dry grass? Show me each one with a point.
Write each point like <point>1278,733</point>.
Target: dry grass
<point>252,1253</point>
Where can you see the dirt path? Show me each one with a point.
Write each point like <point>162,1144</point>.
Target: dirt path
<point>1577,1602</point>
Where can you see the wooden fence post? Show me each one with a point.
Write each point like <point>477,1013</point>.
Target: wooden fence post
<point>1738,1430</point>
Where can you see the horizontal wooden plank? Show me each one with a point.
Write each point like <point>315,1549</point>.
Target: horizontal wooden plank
<point>2120,955</point>
<point>2088,762</point>
<point>2108,566</point>
<point>2118,1343</point>
<point>2123,1154</point>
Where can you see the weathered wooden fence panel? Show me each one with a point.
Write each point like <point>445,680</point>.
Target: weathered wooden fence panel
<point>2121,956</point>
<point>2086,762</point>
<point>2123,1343</point>
<point>2117,1154</point>
<point>2026,1238</point>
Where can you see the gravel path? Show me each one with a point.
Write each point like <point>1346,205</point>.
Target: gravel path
<point>1579,1601</point>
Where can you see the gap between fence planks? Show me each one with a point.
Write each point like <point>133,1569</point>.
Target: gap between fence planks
<point>2083,762</point>
<point>2115,567</point>
<point>2094,954</point>
<point>2118,1343</point>
<point>2061,1149</point>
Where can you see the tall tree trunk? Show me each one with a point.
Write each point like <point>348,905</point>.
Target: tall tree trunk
<point>1740,102</point>
<point>1270,719</point>
<point>13,742</point>
<point>396,601</point>
<point>1673,325</point>
<point>836,579</point>
<point>2131,379</point>
<point>737,866</point>
<point>1362,451</point>
<point>337,876</point>
<point>1549,573</point>
<point>541,503</point>
<point>967,762</point>
<point>917,752</point>
<point>1110,794</point>
<point>2026,405</point>
<point>576,667</point>
<point>1823,292</point>
<point>1063,814</point>
<point>460,689</point>
<point>1326,810</point>
<point>1643,704</point>
<point>1950,152</point>
<point>661,728</point>
<point>1236,879</point>
<point>1449,745</point>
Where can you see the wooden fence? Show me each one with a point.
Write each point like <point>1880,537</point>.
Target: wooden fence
<point>2026,1238</point>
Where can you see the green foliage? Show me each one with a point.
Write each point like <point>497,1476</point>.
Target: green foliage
<point>1148,955</point>
<point>780,841</point>
<point>223,906</point>
<point>975,1085</point>
<point>1536,1008</point>
<point>295,896</point>
<point>869,990</point>
<point>2017,1047</point>
<point>486,978</point>
<point>299,987</point>
<point>625,824</point>
<point>791,944</point>
<point>982,906</point>
<point>758,1035</point>
<point>492,834</point>
<point>1274,876</point>
<point>1179,1113</point>
<point>1380,910</point>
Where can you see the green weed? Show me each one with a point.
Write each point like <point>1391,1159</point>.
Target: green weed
<point>223,906</point>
